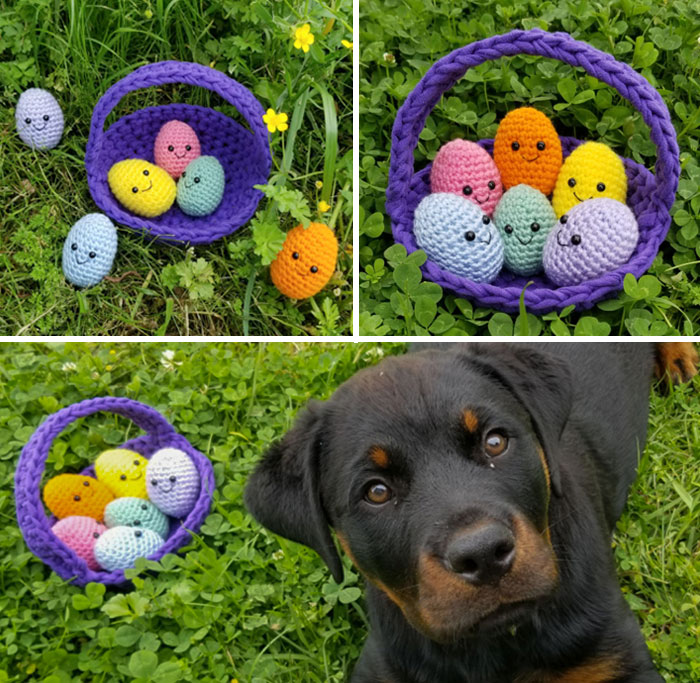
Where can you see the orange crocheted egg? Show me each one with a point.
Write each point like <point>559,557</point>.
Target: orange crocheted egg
<point>527,150</point>
<point>306,262</point>
<point>76,494</point>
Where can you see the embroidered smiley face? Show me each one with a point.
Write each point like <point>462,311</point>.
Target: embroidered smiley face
<point>591,171</point>
<point>306,262</point>
<point>123,472</point>
<point>201,186</point>
<point>80,534</point>
<point>39,119</point>
<point>75,494</point>
<point>142,187</point>
<point>137,513</point>
<point>176,146</point>
<point>118,548</point>
<point>527,150</point>
<point>89,250</point>
<point>173,482</point>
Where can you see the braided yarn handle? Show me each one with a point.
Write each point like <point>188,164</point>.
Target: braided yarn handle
<point>411,117</point>
<point>188,73</point>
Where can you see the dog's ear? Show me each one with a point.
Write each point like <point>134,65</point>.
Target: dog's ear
<point>283,492</point>
<point>542,382</point>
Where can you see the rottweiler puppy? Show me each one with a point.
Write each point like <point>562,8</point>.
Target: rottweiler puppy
<point>476,488</point>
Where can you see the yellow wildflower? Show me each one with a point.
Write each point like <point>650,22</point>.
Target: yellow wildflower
<point>275,121</point>
<point>319,184</point>
<point>346,43</point>
<point>323,206</point>
<point>148,14</point>
<point>303,38</point>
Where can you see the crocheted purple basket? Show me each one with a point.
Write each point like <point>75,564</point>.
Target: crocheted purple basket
<point>36,524</point>
<point>649,196</point>
<point>244,154</point>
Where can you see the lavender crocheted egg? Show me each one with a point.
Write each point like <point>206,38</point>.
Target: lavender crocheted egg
<point>39,119</point>
<point>201,186</point>
<point>172,481</point>
<point>89,250</point>
<point>136,512</point>
<point>80,535</point>
<point>457,235</point>
<point>594,238</point>
<point>119,547</point>
<point>176,145</point>
<point>524,217</point>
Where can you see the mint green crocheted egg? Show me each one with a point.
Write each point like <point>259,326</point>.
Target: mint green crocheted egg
<point>524,217</point>
<point>201,186</point>
<point>137,513</point>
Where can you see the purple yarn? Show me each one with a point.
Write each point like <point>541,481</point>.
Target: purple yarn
<point>244,154</point>
<point>36,525</point>
<point>650,197</point>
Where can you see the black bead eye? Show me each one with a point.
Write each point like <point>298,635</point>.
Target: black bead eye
<point>572,182</point>
<point>123,477</point>
<point>600,187</point>
<point>92,254</point>
<point>515,146</point>
<point>467,190</point>
<point>154,482</point>
<point>535,227</point>
<point>563,219</point>
<point>74,246</point>
<point>485,220</point>
<point>27,121</point>
<point>196,180</point>
<point>314,269</point>
<point>144,507</point>
<point>137,522</point>
<point>76,498</point>
<point>171,148</point>
<point>172,477</point>
<point>469,235</point>
<point>508,229</point>
<point>86,483</point>
<point>492,185</point>
<point>138,533</point>
<point>183,174</point>
<point>46,117</point>
<point>137,463</point>
<point>145,172</point>
<point>541,146</point>
<point>295,255</point>
<point>188,147</point>
<point>134,189</point>
<point>575,239</point>
<point>95,535</point>
<point>378,493</point>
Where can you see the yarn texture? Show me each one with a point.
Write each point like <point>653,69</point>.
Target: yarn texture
<point>39,119</point>
<point>172,481</point>
<point>306,262</point>
<point>141,187</point>
<point>123,471</point>
<point>527,150</point>
<point>137,513</point>
<point>243,149</point>
<point>119,547</point>
<point>80,535</point>
<point>524,218</point>
<point>591,171</point>
<point>201,186</point>
<point>89,250</point>
<point>595,237</point>
<point>176,146</point>
<point>459,236</point>
<point>465,169</point>
<point>67,495</point>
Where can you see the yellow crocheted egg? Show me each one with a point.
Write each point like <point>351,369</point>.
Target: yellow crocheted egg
<point>527,150</point>
<point>142,187</point>
<point>75,494</point>
<point>123,472</point>
<point>591,171</point>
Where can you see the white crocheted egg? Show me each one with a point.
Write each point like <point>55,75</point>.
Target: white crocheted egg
<point>172,482</point>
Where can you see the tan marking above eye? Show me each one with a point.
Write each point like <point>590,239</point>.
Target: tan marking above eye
<point>495,443</point>
<point>378,493</point>
<point>471,421</point>
<point>379,457</point>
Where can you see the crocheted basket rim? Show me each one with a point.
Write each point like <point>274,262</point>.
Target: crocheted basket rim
<point>35,522</point>
<point>650,196</point>
<point>244,152</point>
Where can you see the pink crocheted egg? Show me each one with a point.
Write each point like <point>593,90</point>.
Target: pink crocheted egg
<point>80,534</point>
<point>172,481</point>
<point>462,167</point>
<point>176,145</point>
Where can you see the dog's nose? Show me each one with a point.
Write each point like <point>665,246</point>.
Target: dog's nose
<point>483,553</point>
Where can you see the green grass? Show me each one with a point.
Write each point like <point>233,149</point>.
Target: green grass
<point>77,50</point>
<point>243,604</point>
<point>401,39</point>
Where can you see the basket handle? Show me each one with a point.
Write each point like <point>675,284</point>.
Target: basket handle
<point>411,117</point>
<point>188,73</point>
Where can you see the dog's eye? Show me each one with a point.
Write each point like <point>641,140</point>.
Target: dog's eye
<point>495,444</point>
<point>377,493</point>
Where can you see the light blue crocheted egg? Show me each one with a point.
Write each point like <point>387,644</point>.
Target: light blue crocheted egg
<point>593,238</point>
<point>137,513</point>
<point>201,186</point>
<point>119,547</point>
<point>524,217</point>
<point>39,119</point>
<point>457,235</point>
<point>89,250</point>
<point>172,482</point>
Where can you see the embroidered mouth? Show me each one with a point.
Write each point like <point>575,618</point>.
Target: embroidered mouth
<point>524,243</point>
<point>579,198</point>
<point>136,478</point>
<point>81,262</point>
<point>558,242</point>
<point>160,488</point>
<point>482,201</point>
<point>485,242</point>
<point>40,129</point>
<point>149,187</point>
<point>531,160</point>
<point>180,157</point>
